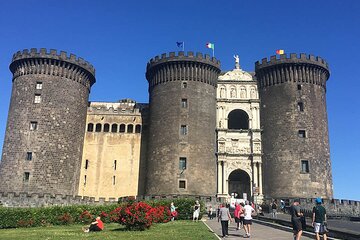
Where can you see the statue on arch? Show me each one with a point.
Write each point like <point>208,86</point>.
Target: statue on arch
<point>237,61</point>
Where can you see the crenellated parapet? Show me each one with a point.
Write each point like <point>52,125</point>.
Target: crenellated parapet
<point>300,69</point>
<point>51,63</point>
<point>181,67</point>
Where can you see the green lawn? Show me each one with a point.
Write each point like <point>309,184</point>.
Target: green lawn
<point>172,230</point>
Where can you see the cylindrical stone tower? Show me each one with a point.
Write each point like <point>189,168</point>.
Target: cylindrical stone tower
<point>46,122</point>
<point>295,129</point>
<point>181,145</point>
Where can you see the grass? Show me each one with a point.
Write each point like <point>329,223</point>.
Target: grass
<point>172,230</point>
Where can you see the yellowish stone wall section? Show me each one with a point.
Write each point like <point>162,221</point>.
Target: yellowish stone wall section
<point>101,149</point>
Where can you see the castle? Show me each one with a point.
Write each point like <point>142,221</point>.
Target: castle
<point>205,132</point>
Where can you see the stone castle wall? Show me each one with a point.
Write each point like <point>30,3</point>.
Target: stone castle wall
<point>45,127</point>
<point>182,130</point>
<point>296,152</point>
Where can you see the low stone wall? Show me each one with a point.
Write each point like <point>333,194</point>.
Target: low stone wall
<point>12,199</point>
<point>334,207</point>
<point>42,200</point>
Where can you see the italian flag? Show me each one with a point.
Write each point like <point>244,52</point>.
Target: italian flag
<point>210,45</point>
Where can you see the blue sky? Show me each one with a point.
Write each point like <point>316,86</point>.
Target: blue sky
<point>119,37</point>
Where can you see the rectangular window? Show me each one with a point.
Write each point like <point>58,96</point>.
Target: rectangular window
<point>182,163</point>
<point>33,126</point>
<point>26,176</point>
<point>86,164</point>
<point>114,180</point>
<point>29,156</point>
<point>305,166</point>
<point>38,85</point>
<point>184,103</point>
<point>301,106</point>
<point>299,87</point>
<point>84,180</point>
<point>37,98</point>
<point>183,130</point>
<point>182,184</point>
<point>115,162</point>
<point>302,133</point>
<point>184,84</point>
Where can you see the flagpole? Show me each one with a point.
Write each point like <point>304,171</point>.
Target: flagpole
<point>183,46</point>
<point>213,51</point>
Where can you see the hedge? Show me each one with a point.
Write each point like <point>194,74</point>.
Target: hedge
<point>83,214</point>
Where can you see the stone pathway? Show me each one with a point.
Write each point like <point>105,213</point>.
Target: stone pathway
<point>258,231</point>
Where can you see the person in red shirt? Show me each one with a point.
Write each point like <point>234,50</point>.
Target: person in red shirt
<point>95,226</point>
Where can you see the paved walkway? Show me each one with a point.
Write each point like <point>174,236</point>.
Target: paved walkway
<point>258,231</point>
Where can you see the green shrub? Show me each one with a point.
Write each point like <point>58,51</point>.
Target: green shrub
<point>84,214</point>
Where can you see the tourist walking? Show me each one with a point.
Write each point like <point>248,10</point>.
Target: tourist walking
<point>296,219</point>
<point>248,212</point>
<point>242,215</point>
<point>210,212</point>
<point>173,211</point>
<point>319,219</point>
<point>224,217</point>
<point>196,211</point>
<point>237,215</point>
<point>274,209</point>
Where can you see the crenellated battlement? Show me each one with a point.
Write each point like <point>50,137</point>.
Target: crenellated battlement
<point>292,58</point>
<point>294,68</point>
<point>171,67</point>
<point>53,54</point>
<point>51,63</point>
<point>181,56</point>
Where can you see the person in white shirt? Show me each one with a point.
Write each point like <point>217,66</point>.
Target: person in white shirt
<point>248,211</point>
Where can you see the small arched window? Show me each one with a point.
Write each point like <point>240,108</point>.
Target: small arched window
<point>90,127</point>
<point>114,128</point>
<point>98,127</point>
<point>138,128</point>
<point>122,128</point>
<point>130,128</point>
<point>106,127</point>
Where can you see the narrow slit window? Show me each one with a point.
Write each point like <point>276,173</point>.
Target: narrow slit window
<point>37,98</point>
<point>115,164</point>
<point>26,176</point>
<point>114,180</point>
<point>86,164</point>
<point>305,166</point>
<point>301,106</point>
<point>182,163</point>
<point>184,103</point>
<point>85,180</point>
<point>183,130</point>
<point>38,85</point>
<point>33,126</point>
<point>29,156</point>
<point>302,133</point>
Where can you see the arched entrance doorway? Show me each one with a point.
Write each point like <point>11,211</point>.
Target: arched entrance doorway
<point>239,183</point>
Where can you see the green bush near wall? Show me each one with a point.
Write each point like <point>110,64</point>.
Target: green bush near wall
<point>62,215</point>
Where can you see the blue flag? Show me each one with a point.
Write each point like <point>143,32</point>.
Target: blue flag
<point>180,44</point>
